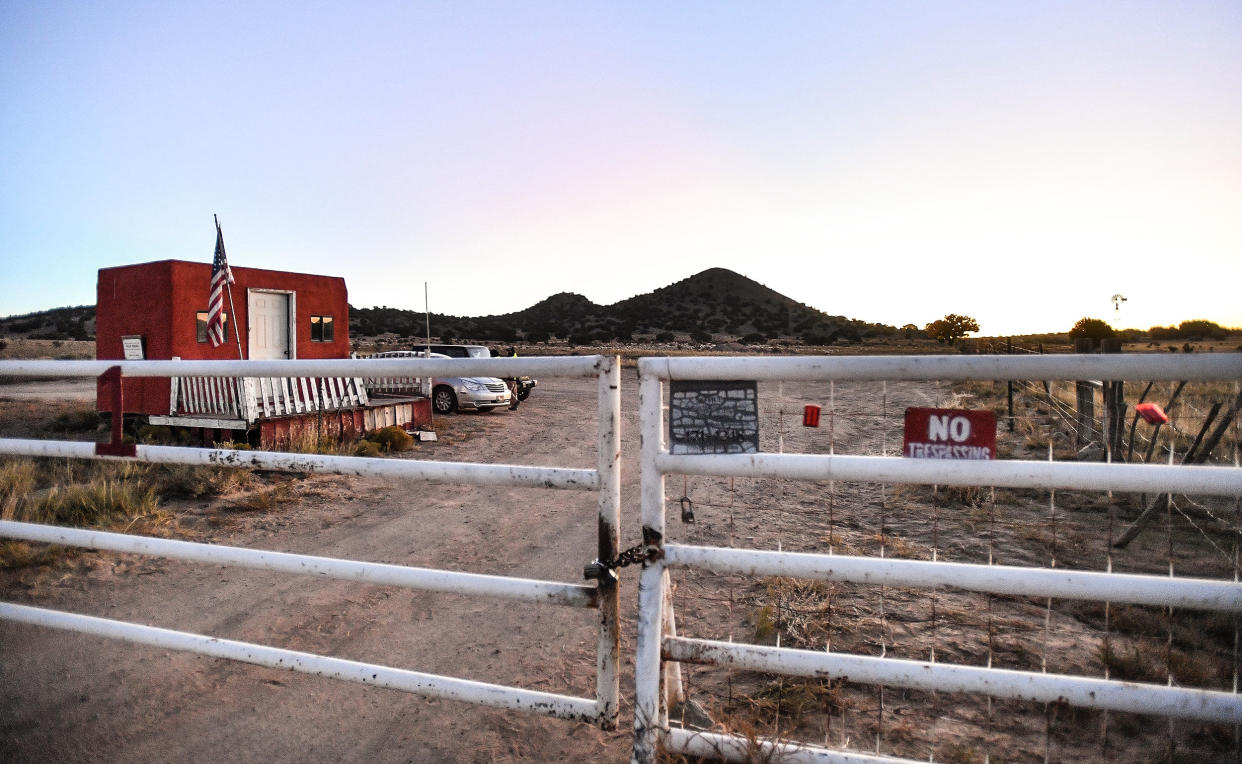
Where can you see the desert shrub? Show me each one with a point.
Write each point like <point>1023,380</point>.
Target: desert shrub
<point>819,338</point>
<point>754,338</point>
<point>265,499</point>
<point>701,337</point>
<point>665,337</point>
<point>1201,330</point>
<point>367,448</point>
<point>192,481</point>
<point>391,438</point>
<point>18,478</point>
<point>1092,328</point>
<point>97,503</point>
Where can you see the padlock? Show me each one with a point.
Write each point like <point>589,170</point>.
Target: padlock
<point>598,571</point>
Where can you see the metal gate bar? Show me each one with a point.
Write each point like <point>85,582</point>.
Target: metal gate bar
<point>1137,478</point>
<point>1058,583</point>
<point>427,579</point>
<point>1108,694</point>
<point>404,469</point>
<point>433,685</point>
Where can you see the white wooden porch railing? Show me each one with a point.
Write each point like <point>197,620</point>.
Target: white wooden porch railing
<point>253,398</point>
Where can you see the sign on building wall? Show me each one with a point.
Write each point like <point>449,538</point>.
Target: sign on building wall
<point>713,417</point>
<point>131,344</point>
<point>950,434</point>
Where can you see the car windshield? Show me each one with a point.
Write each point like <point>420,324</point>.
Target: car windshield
<point>478,353</point>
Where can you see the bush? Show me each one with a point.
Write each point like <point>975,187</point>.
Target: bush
<point>701,337</point>
<point>1201,330</point>
<point>1092,328</point>
<point>367,448</point>
<point>754,338</point>
<point>391,438</point>
<point>78,420</point>
<point>665,337</point>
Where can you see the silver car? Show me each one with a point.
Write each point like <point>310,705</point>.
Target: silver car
<point>449,394</point>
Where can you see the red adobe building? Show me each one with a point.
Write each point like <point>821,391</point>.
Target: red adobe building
<point>164,306</point>
<point>158,311</point>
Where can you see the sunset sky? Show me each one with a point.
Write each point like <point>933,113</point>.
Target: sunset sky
<point>1016,162</point>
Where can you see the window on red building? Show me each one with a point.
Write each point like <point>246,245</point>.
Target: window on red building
<point>201,322</point>
<point>323,329</point>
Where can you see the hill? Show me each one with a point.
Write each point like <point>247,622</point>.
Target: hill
<point>76,323</point>
<point>715,302</point>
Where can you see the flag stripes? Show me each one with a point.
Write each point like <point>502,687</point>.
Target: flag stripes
<point>221,276</point>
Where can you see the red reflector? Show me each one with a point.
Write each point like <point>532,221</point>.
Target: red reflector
<point>1152,413</point>
<point>810,416</point>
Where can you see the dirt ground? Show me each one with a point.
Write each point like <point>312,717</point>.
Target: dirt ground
<point>72,697</point>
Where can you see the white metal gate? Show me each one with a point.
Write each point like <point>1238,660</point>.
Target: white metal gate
<point>605,480</point>
<point>660,650</point>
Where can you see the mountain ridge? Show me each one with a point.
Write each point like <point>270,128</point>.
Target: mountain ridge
<point>714,302</point>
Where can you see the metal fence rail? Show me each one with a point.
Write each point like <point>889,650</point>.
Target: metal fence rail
<point>658,641</point>
<point>431,685</point>
<point>604,479</point>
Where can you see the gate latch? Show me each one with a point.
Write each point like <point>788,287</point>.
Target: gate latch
<point>605,571</point>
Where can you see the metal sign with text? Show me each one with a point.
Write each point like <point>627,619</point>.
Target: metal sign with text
<point>950,434</point>
<point>713,417</point>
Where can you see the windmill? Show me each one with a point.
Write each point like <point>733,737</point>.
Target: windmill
<point>1117,300</point>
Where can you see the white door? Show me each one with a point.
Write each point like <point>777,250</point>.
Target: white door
<point>269,326</point>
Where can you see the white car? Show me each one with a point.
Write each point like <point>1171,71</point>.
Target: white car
<point>449,394</point>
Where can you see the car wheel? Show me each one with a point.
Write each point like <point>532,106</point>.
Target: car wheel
<point>444,400</point>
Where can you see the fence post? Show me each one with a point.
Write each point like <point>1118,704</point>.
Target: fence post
<point>607,685</point>
<point>1009,383</point>
<point>1114,403</point>
<point>648,718</point>
<point>1085,398</point>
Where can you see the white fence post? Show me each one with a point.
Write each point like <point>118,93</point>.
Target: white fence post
<point>649,716</point>
<point>608,689</point>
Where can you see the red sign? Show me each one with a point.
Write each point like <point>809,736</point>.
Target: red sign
<point>950,434</point>
<point>810,416</point>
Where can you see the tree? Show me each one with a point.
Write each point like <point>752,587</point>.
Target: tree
<point>951,328</point>
<point>1201,330</point>
<point>1093,328</point>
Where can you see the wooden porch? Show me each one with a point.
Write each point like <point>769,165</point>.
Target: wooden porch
<point>281,408</point>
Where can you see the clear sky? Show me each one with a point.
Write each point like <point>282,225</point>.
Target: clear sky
<point>1017,162</point>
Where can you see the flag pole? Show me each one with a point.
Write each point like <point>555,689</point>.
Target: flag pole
<point>228,284</point>
<point>236,335</point>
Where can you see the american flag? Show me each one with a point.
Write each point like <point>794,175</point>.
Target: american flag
<point>220,276</point>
